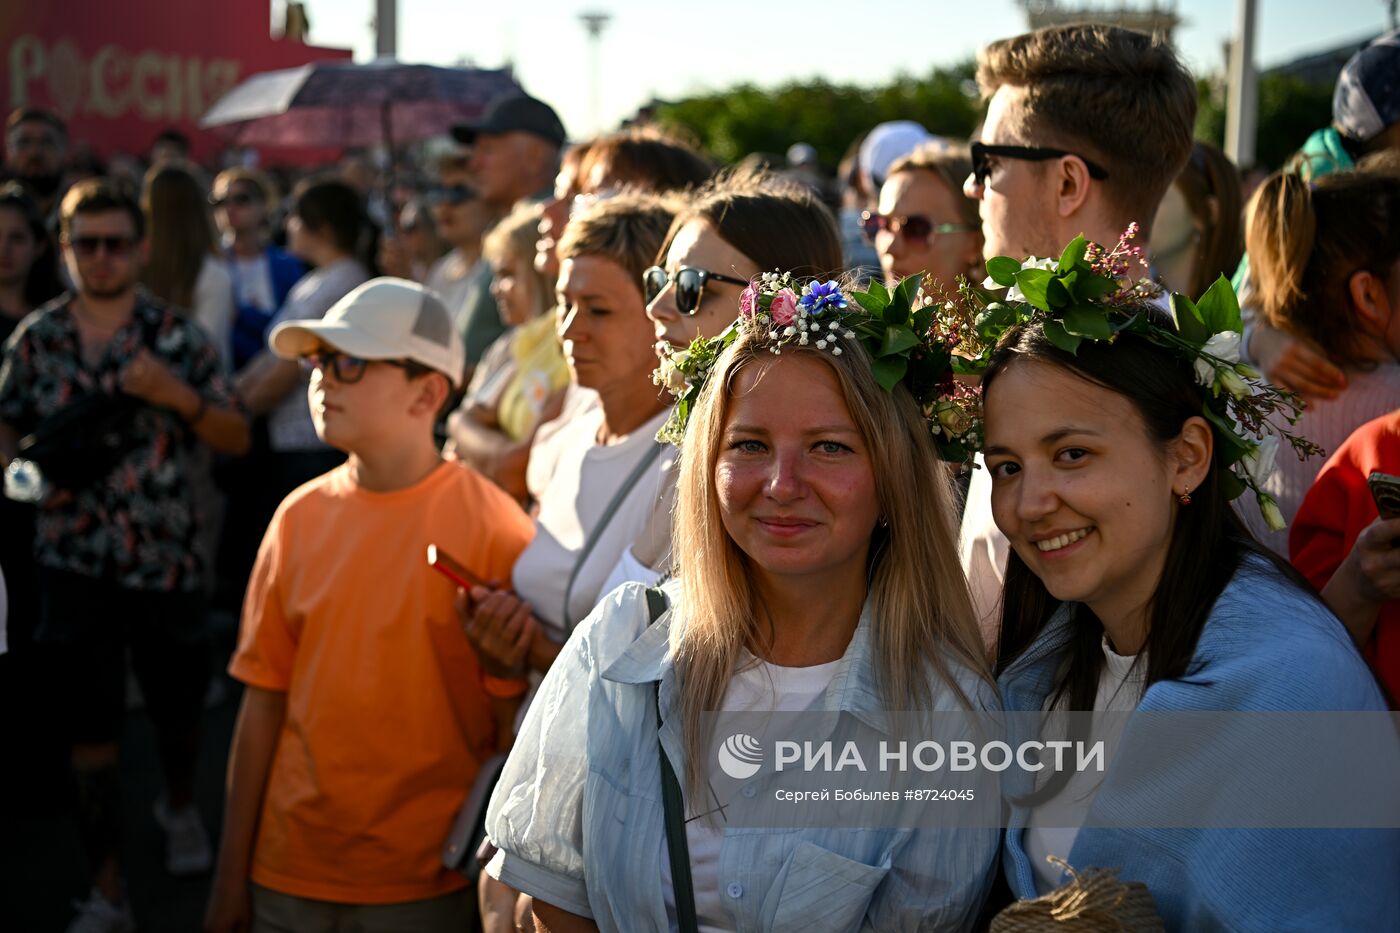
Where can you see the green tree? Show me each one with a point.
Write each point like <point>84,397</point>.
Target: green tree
<point>1289,111</point>
<point>731,124</point>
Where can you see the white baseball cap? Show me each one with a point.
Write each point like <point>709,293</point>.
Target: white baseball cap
<point>886,144</point>
<point>383,319</point>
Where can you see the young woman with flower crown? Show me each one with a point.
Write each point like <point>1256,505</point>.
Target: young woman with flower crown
<point>812,526</point>
<point>1115,437</point>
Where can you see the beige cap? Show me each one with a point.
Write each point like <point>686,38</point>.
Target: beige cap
<point>383,319</point>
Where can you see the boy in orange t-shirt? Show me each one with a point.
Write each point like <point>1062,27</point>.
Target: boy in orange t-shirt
<point>365,717</point>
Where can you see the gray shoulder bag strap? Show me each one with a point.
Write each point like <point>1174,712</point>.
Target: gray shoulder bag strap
<point>613,505</point>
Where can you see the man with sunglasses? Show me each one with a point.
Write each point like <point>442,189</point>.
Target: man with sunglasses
<point>1087,127</point>
<point>460,277</point>
<point>118,567</point>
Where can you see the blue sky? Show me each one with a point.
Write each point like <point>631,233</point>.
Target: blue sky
<point>666,49</point>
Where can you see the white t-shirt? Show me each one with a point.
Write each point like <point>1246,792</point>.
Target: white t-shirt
<point>213,306</point>
<point>289,425</point>
<point>253,277</point>
<point>574,480</point>
<point>757,686</point>
<point>1120,690</point>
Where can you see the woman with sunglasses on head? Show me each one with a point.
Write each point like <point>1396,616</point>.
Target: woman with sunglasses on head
<point>812,526</point>
<point>329,230</point>
<point>924,223</point>
<point>1133,586</point>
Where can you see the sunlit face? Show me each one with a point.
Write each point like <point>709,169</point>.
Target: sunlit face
<point>18,248</point>
<point>464,222</point>
<point>103,255</point>
<point>240,208</point>
<point>942,257</point>
<point>361,415</point>
<point>512,288</point>
<point>794,478</point>
<point>1080,489</point>
<point>699,245</point>
<point>503,164</point>
<point>604,325</point>
<point>1017,202</point>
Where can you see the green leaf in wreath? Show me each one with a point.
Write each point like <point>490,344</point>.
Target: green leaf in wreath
<point>1231,486</point>
<point>1086,321</point>
<point>1219,308</point>
<point>1056,334</point>
<point>898,340</point>
<point>1002,270</point>
<point>1189,323</point>
<point>1034,283</point>
<point>889,370</point>
<point>1073,254</point>
<point>875,298</point>
<point>1093,287</point>
<point>1057,295</point>
<point>908,287</point>
<point>1233,447</point>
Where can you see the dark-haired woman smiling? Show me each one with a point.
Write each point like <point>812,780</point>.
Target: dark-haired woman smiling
<point>1132,584</point>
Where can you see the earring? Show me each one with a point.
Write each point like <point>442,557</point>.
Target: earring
<point>1185,496</point>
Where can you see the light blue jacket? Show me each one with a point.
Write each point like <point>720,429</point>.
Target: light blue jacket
<point>578,818</point>
<point>1267,646</point>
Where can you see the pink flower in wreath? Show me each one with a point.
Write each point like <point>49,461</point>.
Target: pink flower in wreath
<point>748,301</point>
<point>784,308</point>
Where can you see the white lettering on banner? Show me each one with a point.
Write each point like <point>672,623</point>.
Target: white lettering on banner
<point>156,85</point>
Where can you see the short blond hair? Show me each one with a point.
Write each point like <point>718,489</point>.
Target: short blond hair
<point>628,229</point>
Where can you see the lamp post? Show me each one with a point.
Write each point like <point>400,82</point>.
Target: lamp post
<point>594,22</point>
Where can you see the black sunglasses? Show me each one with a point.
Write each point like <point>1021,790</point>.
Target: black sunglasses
<point>451,194</point>
<point>912,226</point>
<point>981,152</point>
<point>349,370</point>
<point>690,285</point>
<point>114,245</point>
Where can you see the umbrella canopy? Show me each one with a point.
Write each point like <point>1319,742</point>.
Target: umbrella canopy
<point>344,104</point>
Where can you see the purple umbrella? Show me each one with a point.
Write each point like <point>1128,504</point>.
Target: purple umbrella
<point>344,105</point>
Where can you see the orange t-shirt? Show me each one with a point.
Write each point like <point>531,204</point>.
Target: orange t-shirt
<point>387,723</point>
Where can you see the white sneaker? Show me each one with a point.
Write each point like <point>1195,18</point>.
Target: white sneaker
<point>99,915</point>
<point>187,849</point>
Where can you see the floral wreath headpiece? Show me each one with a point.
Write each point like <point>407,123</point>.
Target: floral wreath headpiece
<point>1083,296</point>
<point>907,339</point>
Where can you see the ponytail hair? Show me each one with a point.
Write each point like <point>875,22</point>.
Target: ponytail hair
<point>1307,239</point>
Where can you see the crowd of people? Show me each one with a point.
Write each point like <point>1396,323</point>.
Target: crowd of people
<point>412,436</point>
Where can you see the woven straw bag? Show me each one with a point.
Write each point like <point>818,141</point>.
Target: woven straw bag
<point>1094,901</point>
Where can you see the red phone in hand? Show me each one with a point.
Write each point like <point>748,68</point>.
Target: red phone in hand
<point>453,569</point>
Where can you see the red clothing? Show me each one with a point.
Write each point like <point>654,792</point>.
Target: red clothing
<point>1336,510</point>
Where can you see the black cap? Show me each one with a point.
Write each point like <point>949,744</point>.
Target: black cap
<point>517,113</point>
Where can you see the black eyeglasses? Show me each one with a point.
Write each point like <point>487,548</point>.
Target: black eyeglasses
<point>237,199</point>
<point>981,152</point>
<point>87,246</point>
<point>451,194</point>
<point>349,370</point>
<point>911,226</point>
<point>690,285</point>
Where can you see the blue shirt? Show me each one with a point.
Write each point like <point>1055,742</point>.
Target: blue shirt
<point>578,818</point>
<point>1267,646</point>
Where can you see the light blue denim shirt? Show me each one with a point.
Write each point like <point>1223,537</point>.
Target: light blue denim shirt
<point>578,819</point>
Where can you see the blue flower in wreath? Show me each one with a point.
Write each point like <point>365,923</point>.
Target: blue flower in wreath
<point>819,296</point>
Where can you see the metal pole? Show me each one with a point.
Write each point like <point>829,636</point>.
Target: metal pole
<point>386,28</point>
<point>594,23</point>
<point>1242,107</point>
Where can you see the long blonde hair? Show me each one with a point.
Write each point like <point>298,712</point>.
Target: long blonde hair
<point>923,617</point>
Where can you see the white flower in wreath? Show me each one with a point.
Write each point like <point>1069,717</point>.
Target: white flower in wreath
<point>1258,464</point>
<point>1013,293</point>
<point>1222,346</point>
